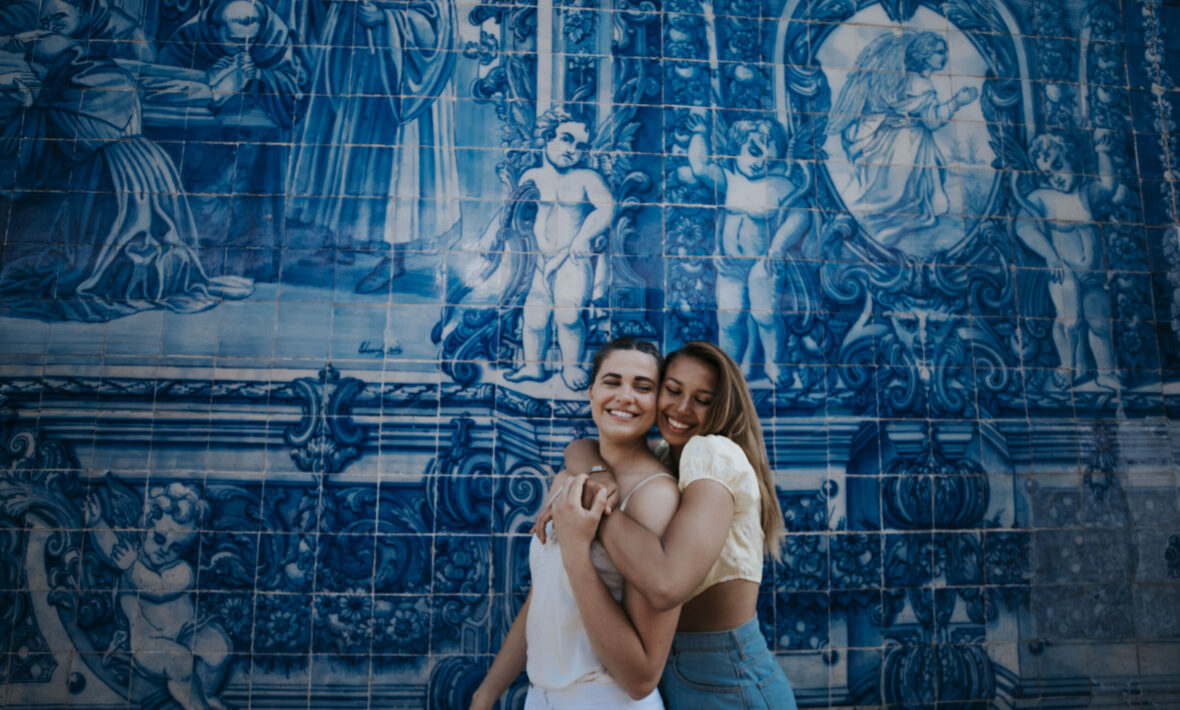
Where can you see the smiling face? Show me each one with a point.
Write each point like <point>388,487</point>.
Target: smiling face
<point>564,150</point>
<point>623,395</point>
<point>686,394</point>
<point>60,17</point>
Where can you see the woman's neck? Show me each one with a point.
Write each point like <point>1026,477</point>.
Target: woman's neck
<point>619,454</point>
<point>675,452</point>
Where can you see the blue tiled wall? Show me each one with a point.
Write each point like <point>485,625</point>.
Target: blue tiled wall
<point>297,295</point>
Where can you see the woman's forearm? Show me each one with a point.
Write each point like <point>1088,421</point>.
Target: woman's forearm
<point>667,570</point>
<point>641,559</point>
<point>629,544</point>
<point>508,664</point>
<point>633,651</point>
<point>582,455</point>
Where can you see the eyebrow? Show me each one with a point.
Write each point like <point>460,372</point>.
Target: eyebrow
<point>673,379</point>
<point>637,377</point>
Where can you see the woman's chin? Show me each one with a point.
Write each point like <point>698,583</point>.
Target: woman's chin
<point>623,430</point>
<point>675,437</point>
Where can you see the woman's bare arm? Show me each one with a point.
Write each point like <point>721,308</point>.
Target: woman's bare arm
<point>508,664</point>
<point>632,641</point>
<point>581,456</point>
<point>667,570</point>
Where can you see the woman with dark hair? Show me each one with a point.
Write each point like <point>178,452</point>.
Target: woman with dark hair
<point>710,556</point>
<point>585,637</point>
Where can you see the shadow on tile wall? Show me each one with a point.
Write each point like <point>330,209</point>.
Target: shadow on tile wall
<point>298,295</point>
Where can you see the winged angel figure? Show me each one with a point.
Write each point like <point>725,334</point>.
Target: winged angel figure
<point>544,261</point>
<point>886,116</point>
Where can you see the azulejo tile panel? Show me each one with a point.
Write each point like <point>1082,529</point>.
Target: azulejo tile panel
<point>297,299</point>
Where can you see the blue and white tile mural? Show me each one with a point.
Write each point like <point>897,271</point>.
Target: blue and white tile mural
<point>297,298</point>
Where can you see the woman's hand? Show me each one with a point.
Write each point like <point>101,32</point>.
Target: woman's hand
<point>479,701</point>
<point>601,480</point>
<point>574,524</point>
<point>542,521</point>
<point>597,481</point>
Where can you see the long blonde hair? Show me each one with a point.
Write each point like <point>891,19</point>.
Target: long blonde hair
<point>732,414</point>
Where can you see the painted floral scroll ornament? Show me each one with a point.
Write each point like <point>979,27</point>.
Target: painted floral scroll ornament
<point>326,439</point>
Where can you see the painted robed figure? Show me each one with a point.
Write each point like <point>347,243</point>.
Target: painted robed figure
<point>374,158</point>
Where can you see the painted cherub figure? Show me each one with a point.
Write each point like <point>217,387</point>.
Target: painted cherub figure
<point>764,216</point>
<point>1059,227</point>
<point>574,213</point>
<point>162,633</point>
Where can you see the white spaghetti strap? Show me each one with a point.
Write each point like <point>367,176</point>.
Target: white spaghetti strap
<point>554,494</point>
<point>641,484</point>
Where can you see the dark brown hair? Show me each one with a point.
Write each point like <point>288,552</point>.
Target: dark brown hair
<point>626,343</point>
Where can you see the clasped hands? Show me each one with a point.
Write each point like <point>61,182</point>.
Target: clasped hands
<point>578,507</point>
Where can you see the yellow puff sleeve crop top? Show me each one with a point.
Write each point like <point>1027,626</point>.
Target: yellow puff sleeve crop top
<point>718,458</point>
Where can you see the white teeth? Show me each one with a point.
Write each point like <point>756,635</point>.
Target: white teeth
<point>676,425</point>
<point>617,413</point>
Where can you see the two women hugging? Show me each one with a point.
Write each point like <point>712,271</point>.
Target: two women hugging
<point>652,604</point>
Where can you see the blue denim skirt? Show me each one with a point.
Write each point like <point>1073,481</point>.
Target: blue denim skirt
<point>724,669</point>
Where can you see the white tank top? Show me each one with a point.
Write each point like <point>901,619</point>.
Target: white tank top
<point>559,651</point>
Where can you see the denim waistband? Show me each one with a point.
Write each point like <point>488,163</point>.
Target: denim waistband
<point>744,639</point>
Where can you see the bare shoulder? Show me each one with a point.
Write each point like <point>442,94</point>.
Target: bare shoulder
<point>653,505</point>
